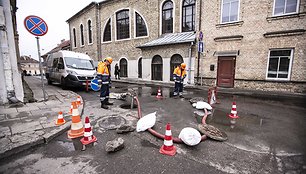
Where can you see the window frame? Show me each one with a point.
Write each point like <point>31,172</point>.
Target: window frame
<point>284,14</point>
<point>111,26</point>
<point>82,40</point>
<point>194,14</point>
<point>289,69</point>
<point>238,13</point>
<point>161,16</point>
<point>135,25</point>
<point>116,27</point>
<point>89,32</point>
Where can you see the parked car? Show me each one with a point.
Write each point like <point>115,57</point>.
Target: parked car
<point>70,69</point>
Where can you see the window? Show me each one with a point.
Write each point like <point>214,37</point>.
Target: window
<point>89,31</point>
<point>167,17</point>
<point>74,38</point>
<point>141,28</point>
<point>107,36</point>
<point>188,20</point>
<point>123,24</point>
<point>283,7</point>
<point>230,11</point>
<point>279,65</point>
<point>82,34</point>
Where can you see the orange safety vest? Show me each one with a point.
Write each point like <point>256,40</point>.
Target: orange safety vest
<point>179,72</point>
<point>104,72</point>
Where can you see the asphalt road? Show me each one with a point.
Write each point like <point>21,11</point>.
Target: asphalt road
<point>269,137</point>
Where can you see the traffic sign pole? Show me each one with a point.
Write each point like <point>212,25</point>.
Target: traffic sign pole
<point>40,69</point>
<point>38,27</point>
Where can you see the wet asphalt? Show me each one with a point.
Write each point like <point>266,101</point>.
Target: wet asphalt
<point>269,137</point>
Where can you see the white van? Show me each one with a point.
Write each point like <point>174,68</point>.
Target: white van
<point>70,69</point>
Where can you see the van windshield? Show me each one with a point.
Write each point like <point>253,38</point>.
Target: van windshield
<point>77,63</point>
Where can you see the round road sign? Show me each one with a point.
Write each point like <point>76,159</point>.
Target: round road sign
<point>35,25</point>
<point>94,84</point>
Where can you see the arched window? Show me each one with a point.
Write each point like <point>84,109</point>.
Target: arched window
<point>123,24</point>
<point>140,68</point>
<point>89,31</point>
<point>188,17</point>
<point>174,62</point>
<point>167,17</point>
<point>82,34</point>
<point>157,68</point>
<point>74,38</point>
<point>107,35</point>
<point>141,28</point>
<point>123,68</point>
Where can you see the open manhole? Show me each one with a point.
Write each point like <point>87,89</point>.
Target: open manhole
<point>128,106</point>
<point>112,122</point>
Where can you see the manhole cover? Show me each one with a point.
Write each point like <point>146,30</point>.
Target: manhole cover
<point>212,132</point>
<point>112,122</point>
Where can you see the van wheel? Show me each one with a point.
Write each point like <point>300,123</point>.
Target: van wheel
<point>63,84</point>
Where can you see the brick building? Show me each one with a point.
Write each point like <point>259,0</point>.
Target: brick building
<point>247,44</point>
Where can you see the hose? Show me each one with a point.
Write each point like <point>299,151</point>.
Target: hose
<point>161,136</point>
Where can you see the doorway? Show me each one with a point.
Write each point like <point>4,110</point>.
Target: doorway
<point>226,72</point>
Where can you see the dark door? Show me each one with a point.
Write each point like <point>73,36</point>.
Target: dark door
<point>140,68</point>
<point>157,68</point>
<point>174,62</point>
<point>123,68</point>
<point>226,71</point>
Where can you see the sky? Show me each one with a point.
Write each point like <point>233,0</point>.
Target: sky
<point>54,13</point>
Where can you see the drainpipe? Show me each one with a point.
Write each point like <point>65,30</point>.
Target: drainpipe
<point>98,23</point>
<point>189,67</point>
<point>199,54</point>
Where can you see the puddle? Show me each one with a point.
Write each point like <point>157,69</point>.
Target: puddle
<point>111,122</point>
<point>67,145</point>
<point>146,143</point>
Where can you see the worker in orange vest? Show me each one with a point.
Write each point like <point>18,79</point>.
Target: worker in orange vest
<point>103,74</point>
<point>179,75</point>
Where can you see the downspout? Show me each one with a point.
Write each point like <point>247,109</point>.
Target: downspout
<point>189,67</point>
<point>98,24</point>
<point>199,54</point>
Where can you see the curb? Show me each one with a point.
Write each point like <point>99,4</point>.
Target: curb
<point>44,139</point>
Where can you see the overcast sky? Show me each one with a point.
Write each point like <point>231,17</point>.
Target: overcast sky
<point>55,13</point>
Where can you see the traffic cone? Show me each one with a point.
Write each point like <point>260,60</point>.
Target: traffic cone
<point>233,113</point>
<point>77,129</point>
<point>70,110</point>
<point>88,136</point>
<point>60,119</point>
<point>168,148</point>
<point>79,101</point>
<point>159,95</point>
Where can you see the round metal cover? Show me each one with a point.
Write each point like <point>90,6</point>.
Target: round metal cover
<point>112,122</point>
<point>212,132</point>
<point>196,99</point>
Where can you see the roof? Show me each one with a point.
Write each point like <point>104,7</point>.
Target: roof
<point>64,45</point>
<point>27,59</point>
<point>171,38</point>
<point>83,10</point>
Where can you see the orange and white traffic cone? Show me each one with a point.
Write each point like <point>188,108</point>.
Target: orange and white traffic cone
<point>79,102</point>
<point>233,113</point>
<point>159,94</point>
<point>88,136</point>
<point>77,129</point>
<point>70,110</point>
<point>60,119</point>
<point>168,148</point>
